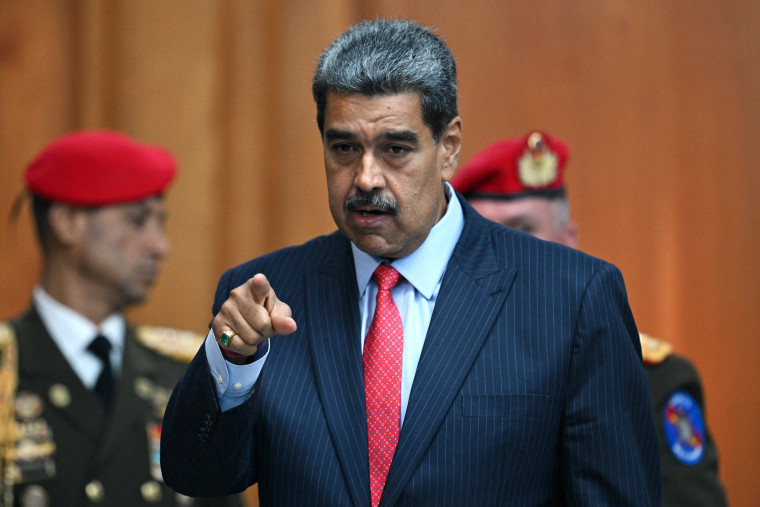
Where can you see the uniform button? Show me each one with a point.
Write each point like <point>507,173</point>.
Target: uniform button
<point>219,378</point>
<point>59,395</point>
<point>237,385</point>
<point>94,491</point>
<point>151,492</point>
<point>35,496</point>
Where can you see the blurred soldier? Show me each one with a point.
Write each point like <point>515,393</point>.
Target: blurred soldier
<point>519,183</point>
<point>84,392</point>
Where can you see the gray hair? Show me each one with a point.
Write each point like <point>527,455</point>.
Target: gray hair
<point>385,57</point>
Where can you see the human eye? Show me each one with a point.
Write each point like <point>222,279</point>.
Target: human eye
<point>343,150</point>
<point>398,150</point>
<point>137,215</point>
<point>399,144</point>
<point>138,218</point>
<point>521,226</point>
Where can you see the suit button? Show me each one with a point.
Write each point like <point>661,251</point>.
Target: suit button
<point>94,491</point>
<point>151,492</point>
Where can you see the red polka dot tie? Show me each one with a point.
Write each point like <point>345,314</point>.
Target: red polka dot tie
<point>383,348</point>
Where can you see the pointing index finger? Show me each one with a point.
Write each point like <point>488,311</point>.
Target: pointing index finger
<point>262,292</point>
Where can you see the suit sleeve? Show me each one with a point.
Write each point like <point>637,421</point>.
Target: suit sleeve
<point>609,446</point>
<point>204,451</point>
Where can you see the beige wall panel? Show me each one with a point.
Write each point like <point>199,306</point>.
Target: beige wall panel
<point>658,102</point>
<point>35,92</point>
<point>165,76</point>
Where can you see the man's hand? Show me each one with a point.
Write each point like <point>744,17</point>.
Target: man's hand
<point>252,313</point>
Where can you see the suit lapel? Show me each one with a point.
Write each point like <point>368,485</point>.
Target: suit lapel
<point>472,294</point>
<point>332,329</point>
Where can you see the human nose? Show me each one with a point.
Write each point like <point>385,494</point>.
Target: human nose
<point>369,174</point>
<point>159,242</point>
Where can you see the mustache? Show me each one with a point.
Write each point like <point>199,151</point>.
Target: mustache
<point>373,199</point>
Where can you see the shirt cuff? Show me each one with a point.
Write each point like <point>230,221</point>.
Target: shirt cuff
<point>234,383</point>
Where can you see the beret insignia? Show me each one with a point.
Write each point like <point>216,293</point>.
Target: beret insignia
<point>539,165</point>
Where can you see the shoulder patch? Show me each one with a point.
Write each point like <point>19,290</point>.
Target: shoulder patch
<point>654,351</point>
<point>684,428</point>
<point>178,344</point>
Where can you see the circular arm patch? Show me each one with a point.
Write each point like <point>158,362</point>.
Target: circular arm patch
<point>684,428</point>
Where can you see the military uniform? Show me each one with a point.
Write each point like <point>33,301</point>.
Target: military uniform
<point>688,455</point>
<point>67,449</point>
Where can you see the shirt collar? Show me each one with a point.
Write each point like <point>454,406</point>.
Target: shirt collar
<point>424,267</point>
<point>72,331</point>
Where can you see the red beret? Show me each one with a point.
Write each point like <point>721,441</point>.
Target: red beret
<point>516,167</point>
<point>96,168</point>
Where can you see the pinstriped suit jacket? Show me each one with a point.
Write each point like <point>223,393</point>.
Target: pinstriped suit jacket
<point>529,390</point>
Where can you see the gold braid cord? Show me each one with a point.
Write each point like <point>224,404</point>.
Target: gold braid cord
<point>8,384</point>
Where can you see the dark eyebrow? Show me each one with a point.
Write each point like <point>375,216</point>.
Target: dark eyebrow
<point>339,135</point>
<point>406,136</point>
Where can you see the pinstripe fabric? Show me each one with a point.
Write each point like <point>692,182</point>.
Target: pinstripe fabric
<point>529,389</point>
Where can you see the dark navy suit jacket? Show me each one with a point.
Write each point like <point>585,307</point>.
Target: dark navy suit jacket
<point>529,391</point>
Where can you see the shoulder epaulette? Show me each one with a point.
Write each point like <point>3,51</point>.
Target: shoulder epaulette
<point>8,384</point>
<point>178,344</point>
<point>654,351</point>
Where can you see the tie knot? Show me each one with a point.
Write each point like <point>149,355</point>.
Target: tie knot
<point>101,347</point>
<point>386,276</point>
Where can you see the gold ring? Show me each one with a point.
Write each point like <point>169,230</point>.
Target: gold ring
<point>227,336</point>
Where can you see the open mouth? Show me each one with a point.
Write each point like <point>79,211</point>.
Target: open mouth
<point>371,212</point>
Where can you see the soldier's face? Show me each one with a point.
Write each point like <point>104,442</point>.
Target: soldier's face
<point>121,250</point>
<point>537,216</point>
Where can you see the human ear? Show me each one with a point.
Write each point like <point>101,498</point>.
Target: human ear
<point>451,144</point>
<point>67,223</point>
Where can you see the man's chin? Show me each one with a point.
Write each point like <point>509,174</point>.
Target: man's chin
<point>137,295</point>
<point>377,246</point>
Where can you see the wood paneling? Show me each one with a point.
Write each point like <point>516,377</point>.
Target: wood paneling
<point>658,101</point>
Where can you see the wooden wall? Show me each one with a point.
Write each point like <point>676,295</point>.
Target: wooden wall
<point>659,102</point>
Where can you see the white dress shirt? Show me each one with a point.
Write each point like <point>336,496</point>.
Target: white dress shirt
<point>72,333</point>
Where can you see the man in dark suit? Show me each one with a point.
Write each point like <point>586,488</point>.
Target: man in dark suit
<point>83,390</point>
<point>494,183</point>
<point>426,356</point>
